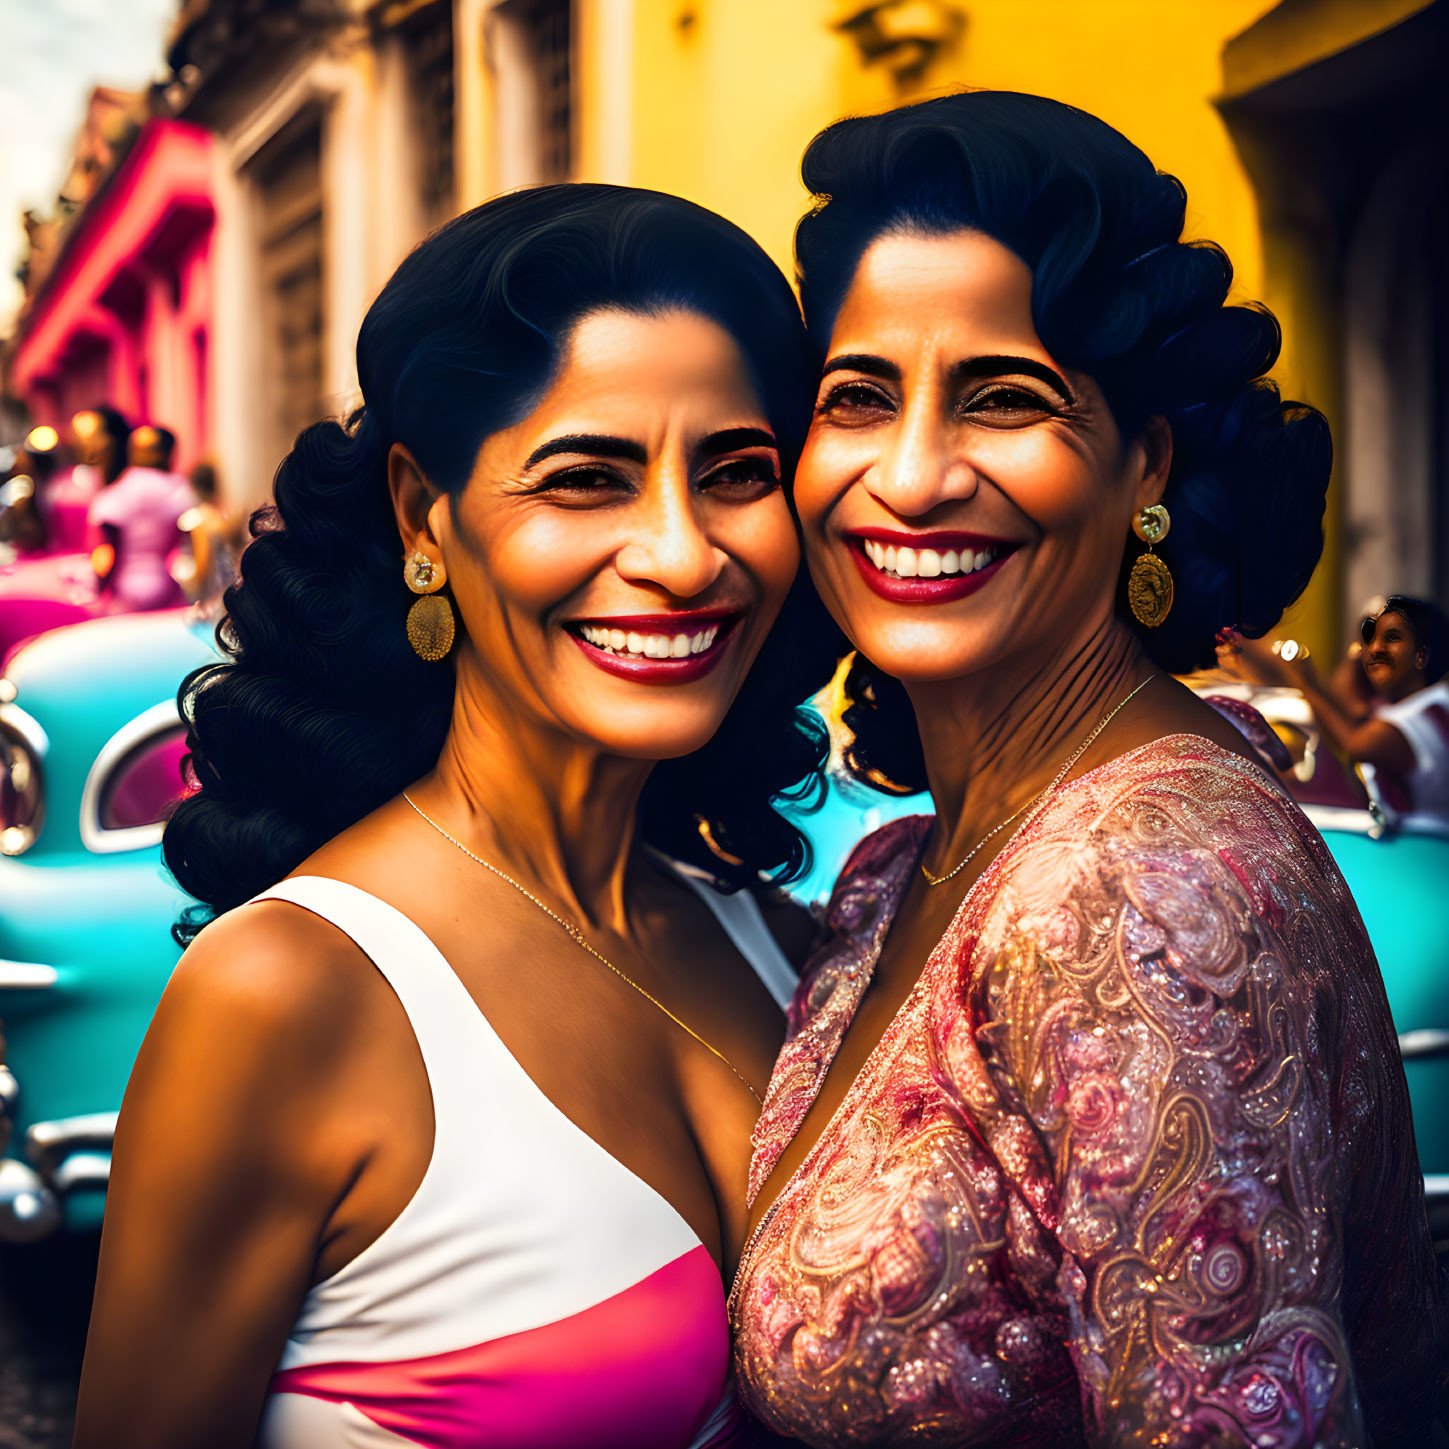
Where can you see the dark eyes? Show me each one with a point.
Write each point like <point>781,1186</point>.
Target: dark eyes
<point>860,403</point>
<point>739,478</point>
<point>855,398</point>
<point>582,480</point>
<point>1007,399</point>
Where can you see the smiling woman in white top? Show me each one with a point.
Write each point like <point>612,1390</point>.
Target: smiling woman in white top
<point>441,1132</point>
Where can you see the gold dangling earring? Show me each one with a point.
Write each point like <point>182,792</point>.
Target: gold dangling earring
<point>430,620</point>
<point>1149,585</point>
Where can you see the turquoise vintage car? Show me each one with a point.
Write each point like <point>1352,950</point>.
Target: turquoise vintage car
<point>90,760</point>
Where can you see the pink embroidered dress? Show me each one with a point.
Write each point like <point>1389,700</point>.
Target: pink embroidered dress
<point>1133,1164</point>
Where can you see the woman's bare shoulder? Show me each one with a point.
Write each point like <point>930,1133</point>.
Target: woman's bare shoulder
<point>270,964</point>
<point>272,1003</point>
<point>266,1046</point>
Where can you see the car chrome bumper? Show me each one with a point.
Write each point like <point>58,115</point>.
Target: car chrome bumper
<point>66,1156</point>
<point>29,1210</point>
<point>1428,1043</point>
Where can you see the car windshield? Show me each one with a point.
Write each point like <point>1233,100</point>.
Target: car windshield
<point>146,783</point>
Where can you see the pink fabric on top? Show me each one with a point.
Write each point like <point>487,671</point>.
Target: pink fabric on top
<point>143,505</point>
<point>67,502</point>
<point>1133,1162</point>
<point>641,1370</point>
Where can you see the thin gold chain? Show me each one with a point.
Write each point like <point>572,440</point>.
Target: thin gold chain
<point>578,939</point>
<point>1061,775</point>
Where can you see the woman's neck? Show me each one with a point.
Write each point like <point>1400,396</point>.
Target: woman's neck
<point>1401,689</point>
<point>553,813</point>
<point>995,738</point>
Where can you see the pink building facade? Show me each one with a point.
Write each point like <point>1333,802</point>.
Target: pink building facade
<point>125,315</point>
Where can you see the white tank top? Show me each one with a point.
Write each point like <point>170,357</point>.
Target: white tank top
<point>534,1293</point>
<point>1423,720</point>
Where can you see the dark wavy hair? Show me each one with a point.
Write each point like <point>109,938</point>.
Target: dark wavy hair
<point>322,711</point>
<point>1116,294</point>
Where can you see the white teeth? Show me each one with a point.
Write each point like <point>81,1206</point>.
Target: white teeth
<point>649,646</point>
<point>926,563</point>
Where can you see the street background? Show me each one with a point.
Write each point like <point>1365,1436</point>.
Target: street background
<point>236,182</point>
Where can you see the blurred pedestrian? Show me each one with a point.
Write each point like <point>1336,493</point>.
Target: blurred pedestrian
<point>1404,733</point>
<point>209,571</point>
<point>99,438</point>
<point>138,517</point>
<point>25,494</point>
<point>97,442</point>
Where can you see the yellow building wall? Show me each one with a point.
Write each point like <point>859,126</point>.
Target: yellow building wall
<point>724,95</point>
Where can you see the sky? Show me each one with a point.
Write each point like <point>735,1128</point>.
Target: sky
<point>51,53</point>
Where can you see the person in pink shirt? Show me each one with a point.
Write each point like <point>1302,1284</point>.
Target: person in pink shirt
<point>137,517</point>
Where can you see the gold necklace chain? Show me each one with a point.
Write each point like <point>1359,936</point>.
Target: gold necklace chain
<point>578,939</point>
<point>1061,775</point>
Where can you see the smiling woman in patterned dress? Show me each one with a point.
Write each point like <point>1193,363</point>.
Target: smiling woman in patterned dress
<point>1090,1125</point>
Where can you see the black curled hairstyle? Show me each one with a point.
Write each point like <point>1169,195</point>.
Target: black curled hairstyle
<point>1427,623</point>
<point>321,711</point>
<point>1116,294</point>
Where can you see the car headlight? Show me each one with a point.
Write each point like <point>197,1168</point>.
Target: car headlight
<point>22,793</point>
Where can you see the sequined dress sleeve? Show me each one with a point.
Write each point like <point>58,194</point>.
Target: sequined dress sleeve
<point>1136,1166</point>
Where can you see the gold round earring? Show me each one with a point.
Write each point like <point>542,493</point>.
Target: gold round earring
<point>431,626</point>
<point>1149,585</point>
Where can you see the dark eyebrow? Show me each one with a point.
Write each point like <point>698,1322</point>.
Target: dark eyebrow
<point>862,362</point>
<point>976,367</point>
<point>732,440</point>
<point>1000,366</point>
<point>598,445</point>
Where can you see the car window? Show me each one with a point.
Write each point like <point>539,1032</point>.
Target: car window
<point>145,783</point>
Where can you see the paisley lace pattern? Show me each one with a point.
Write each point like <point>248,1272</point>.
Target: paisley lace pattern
<point>1131,1166</point>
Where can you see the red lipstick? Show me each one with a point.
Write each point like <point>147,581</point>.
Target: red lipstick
<point>647,669</point>
<point>944,588</point>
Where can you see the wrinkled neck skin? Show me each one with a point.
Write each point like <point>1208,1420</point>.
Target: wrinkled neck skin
<point>553,812</point>
<point>994,738</point>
